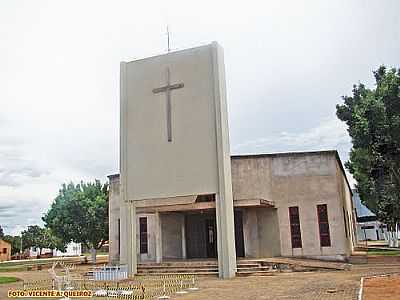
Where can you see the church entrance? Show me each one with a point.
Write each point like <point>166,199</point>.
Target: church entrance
<point>239,239</point>
<point>211,242</point>
<point>201,234</point>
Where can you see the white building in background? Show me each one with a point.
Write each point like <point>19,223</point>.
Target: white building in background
<point>368,226</point>
<point>72,249</point>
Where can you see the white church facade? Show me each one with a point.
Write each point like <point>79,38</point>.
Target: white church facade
<point>287,204</point>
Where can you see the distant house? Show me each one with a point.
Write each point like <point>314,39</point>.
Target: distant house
<point>5,250</point>
<point>368,226</point>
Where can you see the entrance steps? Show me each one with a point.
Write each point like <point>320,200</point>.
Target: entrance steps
<point>245,267</point>
<point>191,267</point>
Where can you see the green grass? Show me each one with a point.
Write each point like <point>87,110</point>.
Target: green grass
<point>97,253</point>
<point>12,269</point>
<point>8,279</point>
<point>383,252</point>
<point>17,265</point>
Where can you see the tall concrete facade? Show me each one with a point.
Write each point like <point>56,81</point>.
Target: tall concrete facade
<point>266,188</point>
<point>175,144</point>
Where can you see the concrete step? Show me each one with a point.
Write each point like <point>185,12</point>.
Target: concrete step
<point>188,263</point>
<point>255,273</point>
<point>162,266</point>
<point>245,267</point>
<point>177,270</point>
<point>186,273</point>
<point>254,269</point>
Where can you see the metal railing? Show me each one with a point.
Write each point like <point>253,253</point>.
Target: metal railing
<point>111,273</point>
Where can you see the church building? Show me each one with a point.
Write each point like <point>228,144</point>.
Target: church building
<point>181,195</point>
<point>285,204</point>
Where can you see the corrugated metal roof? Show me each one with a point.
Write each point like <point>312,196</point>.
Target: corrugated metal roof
<point>361,209</point>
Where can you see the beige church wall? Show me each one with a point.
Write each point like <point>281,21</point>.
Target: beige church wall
<point>261,232</point>
<point>268,232</point>
<point>251,178</point>
<point>250,232</point>
<point>172,235</point>
<point>306,181</point>
<point>187,164</point>
<point>114,216</point>
<point>347,203</point>
<point>151,238</point>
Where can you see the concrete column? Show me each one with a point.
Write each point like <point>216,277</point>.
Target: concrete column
<point>131,230</point>
<point>123,260</point>
<point>224,197</point>
<point>183,231</point>
<point>128,215</point>
<point>158,228</point>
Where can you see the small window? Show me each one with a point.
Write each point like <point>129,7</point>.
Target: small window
<point>368,227</point>
<point>345,222</point>
<point>323,223</point>
<point>143,235</point>
<point>4,250</point>
<point>295,226</point>
<point>119,236</point>
<point>206,198</point>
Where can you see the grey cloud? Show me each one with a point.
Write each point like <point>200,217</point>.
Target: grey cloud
<point>4,207</point>
<point>330,134</point>
<point>18,216</point>
<point>20,173</point>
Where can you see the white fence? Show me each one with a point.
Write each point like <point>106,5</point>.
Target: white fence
<point>111,273</point>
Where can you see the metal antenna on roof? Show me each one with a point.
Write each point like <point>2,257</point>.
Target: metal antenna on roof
<point>169,49</point>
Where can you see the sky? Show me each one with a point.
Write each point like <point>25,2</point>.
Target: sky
<point>287,65</point>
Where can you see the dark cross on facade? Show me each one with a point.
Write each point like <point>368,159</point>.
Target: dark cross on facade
<point>167,89</point>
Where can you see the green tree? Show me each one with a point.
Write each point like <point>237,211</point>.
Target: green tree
<point>373,119</point>
<point>80,214</point>
<point>39,237</point>
<point>32,237</point>
<point>1,232</point>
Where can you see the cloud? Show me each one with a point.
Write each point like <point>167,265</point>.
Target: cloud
<point>15,168</point>
<point>20,173</point>
<point>329,134</point>
<point>59,112</point>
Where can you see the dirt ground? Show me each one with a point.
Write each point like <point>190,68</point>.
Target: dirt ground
<point>332,285</point>
<point>382,288</point>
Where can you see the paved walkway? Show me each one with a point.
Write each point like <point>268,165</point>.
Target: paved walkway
<point>332,285</point>
<point>336,285</point>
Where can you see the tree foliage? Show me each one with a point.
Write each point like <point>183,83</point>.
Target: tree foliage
<point>80,214</point>
<point>1,232</point>
<point>373,119</point>
<point>39,237</point>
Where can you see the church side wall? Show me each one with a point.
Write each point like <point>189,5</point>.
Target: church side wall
<point>114,216</point>
<point>348,210</point>
<point>307,181</point>
<point>251,178</point>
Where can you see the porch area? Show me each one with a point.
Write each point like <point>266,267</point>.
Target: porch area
<point>187,231</point>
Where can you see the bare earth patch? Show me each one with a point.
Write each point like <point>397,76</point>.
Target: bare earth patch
<point>387,287</point>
